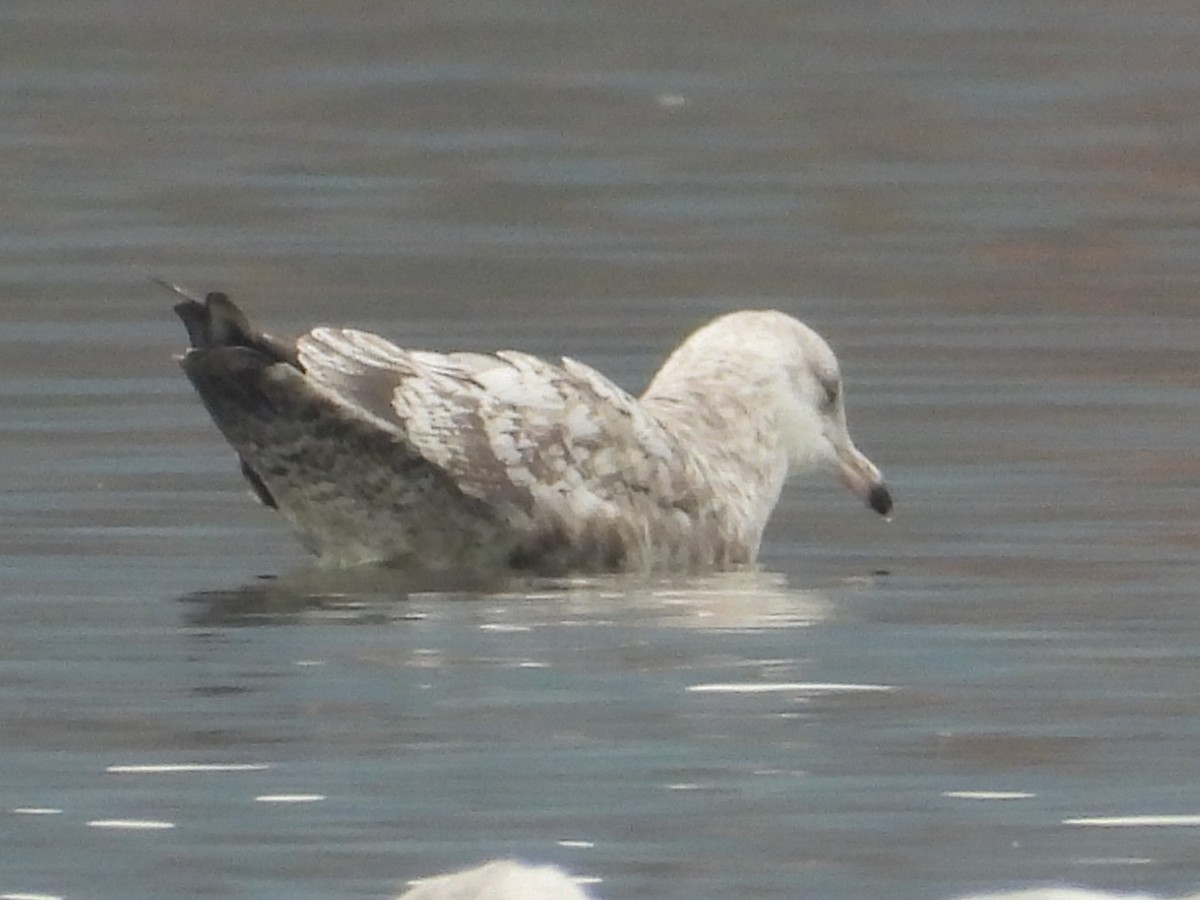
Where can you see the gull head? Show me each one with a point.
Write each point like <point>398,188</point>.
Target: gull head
<point>812,408</point>
<point>770,380</point>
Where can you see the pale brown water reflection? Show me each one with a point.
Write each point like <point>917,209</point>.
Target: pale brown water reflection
<point>987,208</point>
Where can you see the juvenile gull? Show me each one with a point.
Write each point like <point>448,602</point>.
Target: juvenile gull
<point>437,461</point>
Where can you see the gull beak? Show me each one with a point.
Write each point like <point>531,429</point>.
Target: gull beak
<point>864,478</point>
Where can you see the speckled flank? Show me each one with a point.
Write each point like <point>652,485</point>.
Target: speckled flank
<point>375,453</point>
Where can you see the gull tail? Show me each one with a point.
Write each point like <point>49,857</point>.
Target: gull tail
<point>216,321</point>
<point>225,361</point>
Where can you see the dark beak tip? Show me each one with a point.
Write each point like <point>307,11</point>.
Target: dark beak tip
<point>880,499</point>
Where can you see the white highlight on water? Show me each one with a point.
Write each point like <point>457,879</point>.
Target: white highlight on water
<point>1070,893</point>
<point>1188,821</point>
<point>175,768</point>
<point>809,687</point>
<point>989,795</point>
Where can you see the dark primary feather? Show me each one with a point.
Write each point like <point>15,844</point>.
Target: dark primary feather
<point>219,322</point>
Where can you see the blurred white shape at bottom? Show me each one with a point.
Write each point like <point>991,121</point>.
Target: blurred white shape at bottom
<point>502,879</point>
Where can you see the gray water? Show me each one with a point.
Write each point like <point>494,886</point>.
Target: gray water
<point>988,208</point>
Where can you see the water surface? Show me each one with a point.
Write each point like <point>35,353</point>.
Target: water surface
<point>987,208</point>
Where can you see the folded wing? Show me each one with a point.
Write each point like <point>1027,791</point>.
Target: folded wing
<point>572,463</point>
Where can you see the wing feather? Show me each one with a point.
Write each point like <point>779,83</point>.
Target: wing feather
<point>553,449</point>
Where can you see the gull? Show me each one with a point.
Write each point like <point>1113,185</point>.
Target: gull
<point>499,879</point>
<point>473,461</point>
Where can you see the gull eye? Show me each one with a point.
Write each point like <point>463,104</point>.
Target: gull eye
<point>831,391</point>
